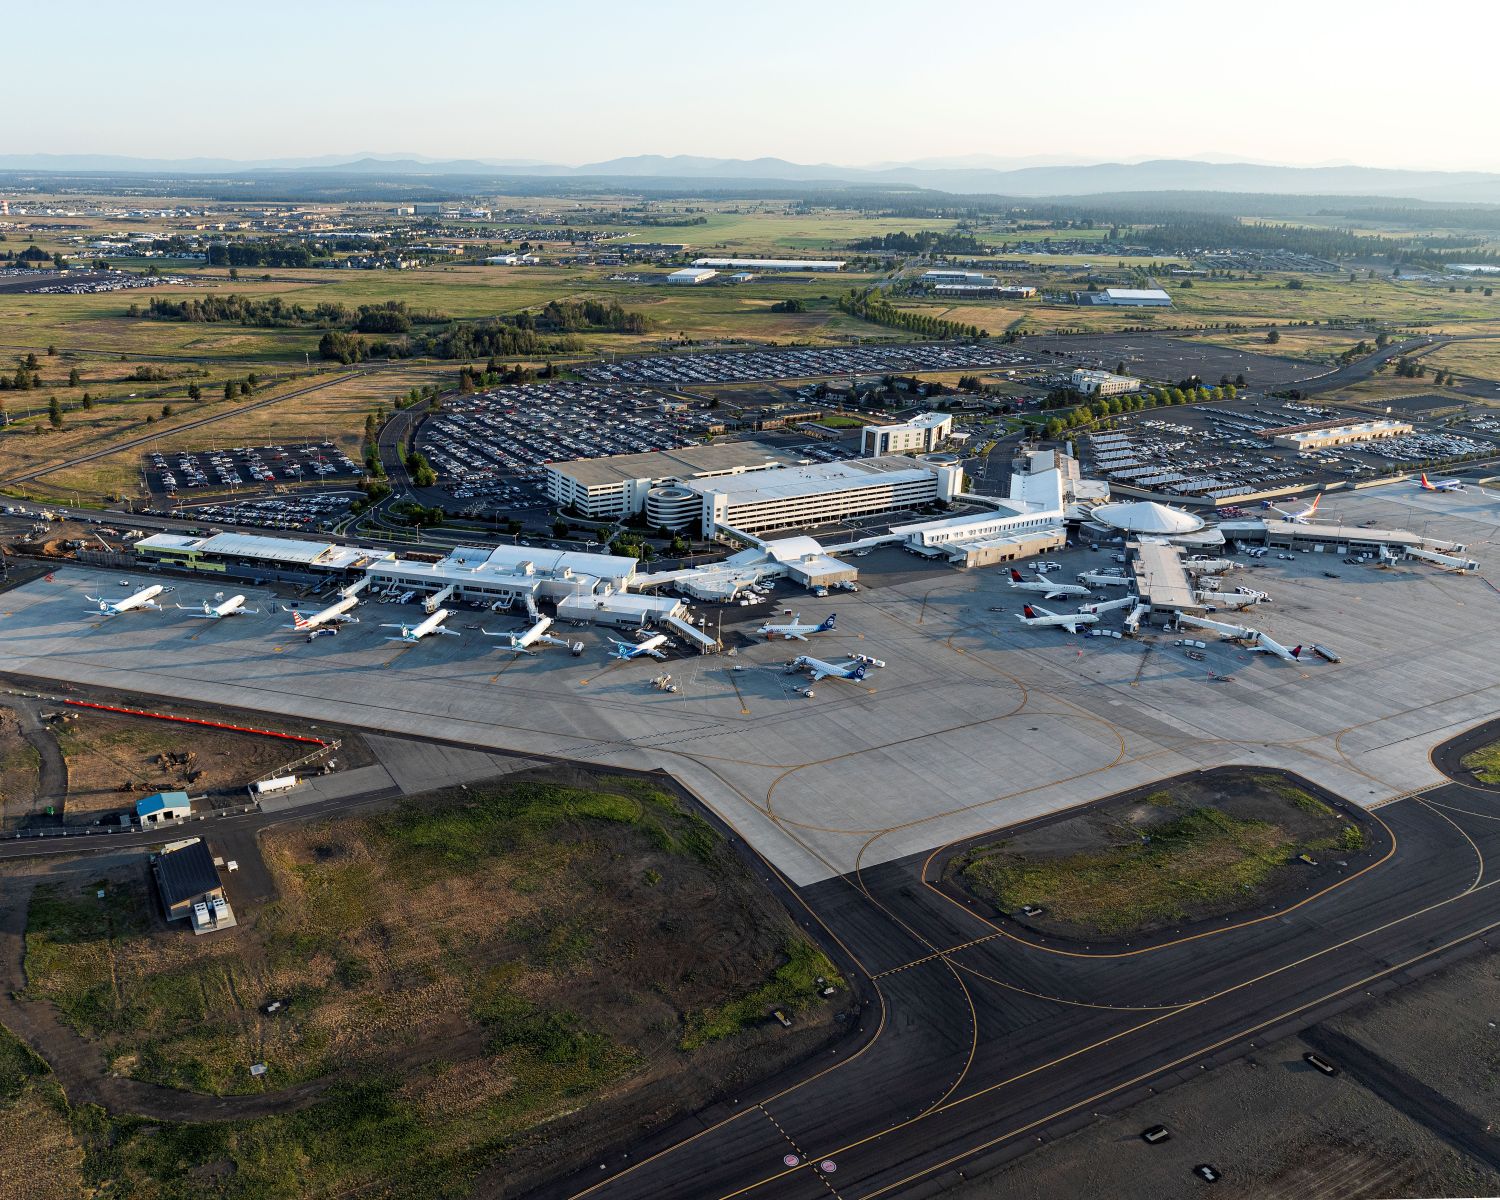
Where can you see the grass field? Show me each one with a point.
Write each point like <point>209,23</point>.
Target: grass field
<point>1475,360</point>
<point>1485,763</point>
<point>1172,859</point>
<point>471,969</point>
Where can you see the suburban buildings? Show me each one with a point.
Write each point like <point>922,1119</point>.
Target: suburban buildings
<point>769,264</point>
<point>1103,383</point>
<point>917,435</point>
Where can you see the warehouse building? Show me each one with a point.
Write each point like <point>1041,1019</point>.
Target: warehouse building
<point>769,264</point>
<point>808,496</point>
<point>690,275</point>
<point>920,434</point>
<point>1102,383</point>
<point>1305,439</point>
<point>622,485</point>
<point>161,807</point>
<point>1126,298</point>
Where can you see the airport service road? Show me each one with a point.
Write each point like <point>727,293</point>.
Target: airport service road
<point>985,1041</point>
<point>976,723</point>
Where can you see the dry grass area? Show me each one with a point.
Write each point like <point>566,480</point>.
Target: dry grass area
<point>113,760</point>
<point>495,962</point>
<point>39,1157</point>
<point>1478,360</point>
<point>19,772</point>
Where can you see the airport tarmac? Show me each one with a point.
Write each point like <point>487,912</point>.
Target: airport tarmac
<point>976,722</point>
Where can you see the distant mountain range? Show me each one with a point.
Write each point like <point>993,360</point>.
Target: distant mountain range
<point>975,174</point>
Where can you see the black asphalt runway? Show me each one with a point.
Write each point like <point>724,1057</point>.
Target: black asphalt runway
<point>980,1039</point>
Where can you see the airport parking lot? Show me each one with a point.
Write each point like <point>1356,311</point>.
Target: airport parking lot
<point>745,365</point>
<point>494,444</point>
<point>975,721</point>
<point>1217,452</point>
<point>298,512</point>
<point>169,473</point>
<point>1168,359</point>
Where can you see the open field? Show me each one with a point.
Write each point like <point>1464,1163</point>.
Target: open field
<point>1475,359</point>
<point>20,771</point>
<point>1194,847</point>
<point>514,971</point>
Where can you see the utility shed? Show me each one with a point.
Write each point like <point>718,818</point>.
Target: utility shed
<point>190,886</point>
<point>163,806</point>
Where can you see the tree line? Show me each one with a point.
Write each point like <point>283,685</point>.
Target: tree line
<point>876,309</point>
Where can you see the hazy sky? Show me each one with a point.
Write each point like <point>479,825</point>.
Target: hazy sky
<point>1309,81</point>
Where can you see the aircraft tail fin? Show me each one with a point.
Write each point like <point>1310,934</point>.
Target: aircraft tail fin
<point>298,620</point>
<point>1316,501</point>
<point>858,672</point>
<point>1296,651</point>
<point>828,621</point>
<point>1029,611</point>
<point>1015,576</point>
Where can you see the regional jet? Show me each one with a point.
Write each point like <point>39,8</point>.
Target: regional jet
<point>140,599</point>
<point>1036,615</point>
<point>625,651</point>
<point>1265,645</point>
<point>234,606</point>
<point>820,670</point>
<point>338,612</point>
<point>521,643</point>
<point>1302,516</point>
<point>415,633</point>
<point>793,629</point>
<point>1049,590</point>
<point>1440,485</point>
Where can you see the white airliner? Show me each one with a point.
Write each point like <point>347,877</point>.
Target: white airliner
<point>625,651</point>
<point>415,633</point>
<point>521,643</point>
<point>234,606</point>
<point>1048,589</point>
<point>820,670</point>
<point>338,611</point>
<point>140,599</point>
<point>1265,645</point>
<point>1036,615</point>
<point>1302,516</point>
<point>793,629</point>
<point>1440,485</point>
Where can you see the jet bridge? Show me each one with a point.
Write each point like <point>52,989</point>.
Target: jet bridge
<point>432,603</point>
<point>699,640</point>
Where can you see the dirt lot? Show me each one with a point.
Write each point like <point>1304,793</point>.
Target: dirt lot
<point>1278,1130</point>
<point>498,963</point>
<point>1189,849</point>
<point>114,760</point>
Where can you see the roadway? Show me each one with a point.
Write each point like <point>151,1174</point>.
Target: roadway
<point>981,1040</point>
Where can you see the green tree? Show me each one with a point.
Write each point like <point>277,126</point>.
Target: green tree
<point>54,412</point>
<point>1273,335</point>
<point>74,379</point>
<point>194,392</point>
<point>166,410</point>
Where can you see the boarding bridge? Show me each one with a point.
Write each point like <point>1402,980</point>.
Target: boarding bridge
<point>701,640</point>
<point>1449,562</point>
<point>433,601</point>
<point>531,609</point>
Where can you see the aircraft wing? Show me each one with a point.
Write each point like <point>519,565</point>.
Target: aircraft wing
<point>818,675</point>
<point>788,633</point>
<point>1056,594</point>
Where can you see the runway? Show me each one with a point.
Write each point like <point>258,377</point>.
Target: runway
<point>985,1042</point>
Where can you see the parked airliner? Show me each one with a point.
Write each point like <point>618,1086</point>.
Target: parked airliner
<point>1036,615</point>
<point>140,599</point>
<point>415,633</point>
<point>234,606</point>
<point>794,629</point>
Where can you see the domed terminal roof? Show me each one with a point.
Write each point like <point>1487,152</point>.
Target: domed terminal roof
<point>1146,516</point>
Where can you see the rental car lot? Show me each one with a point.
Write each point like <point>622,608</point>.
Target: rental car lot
<point>296,512</point>
<point>172,472</point>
